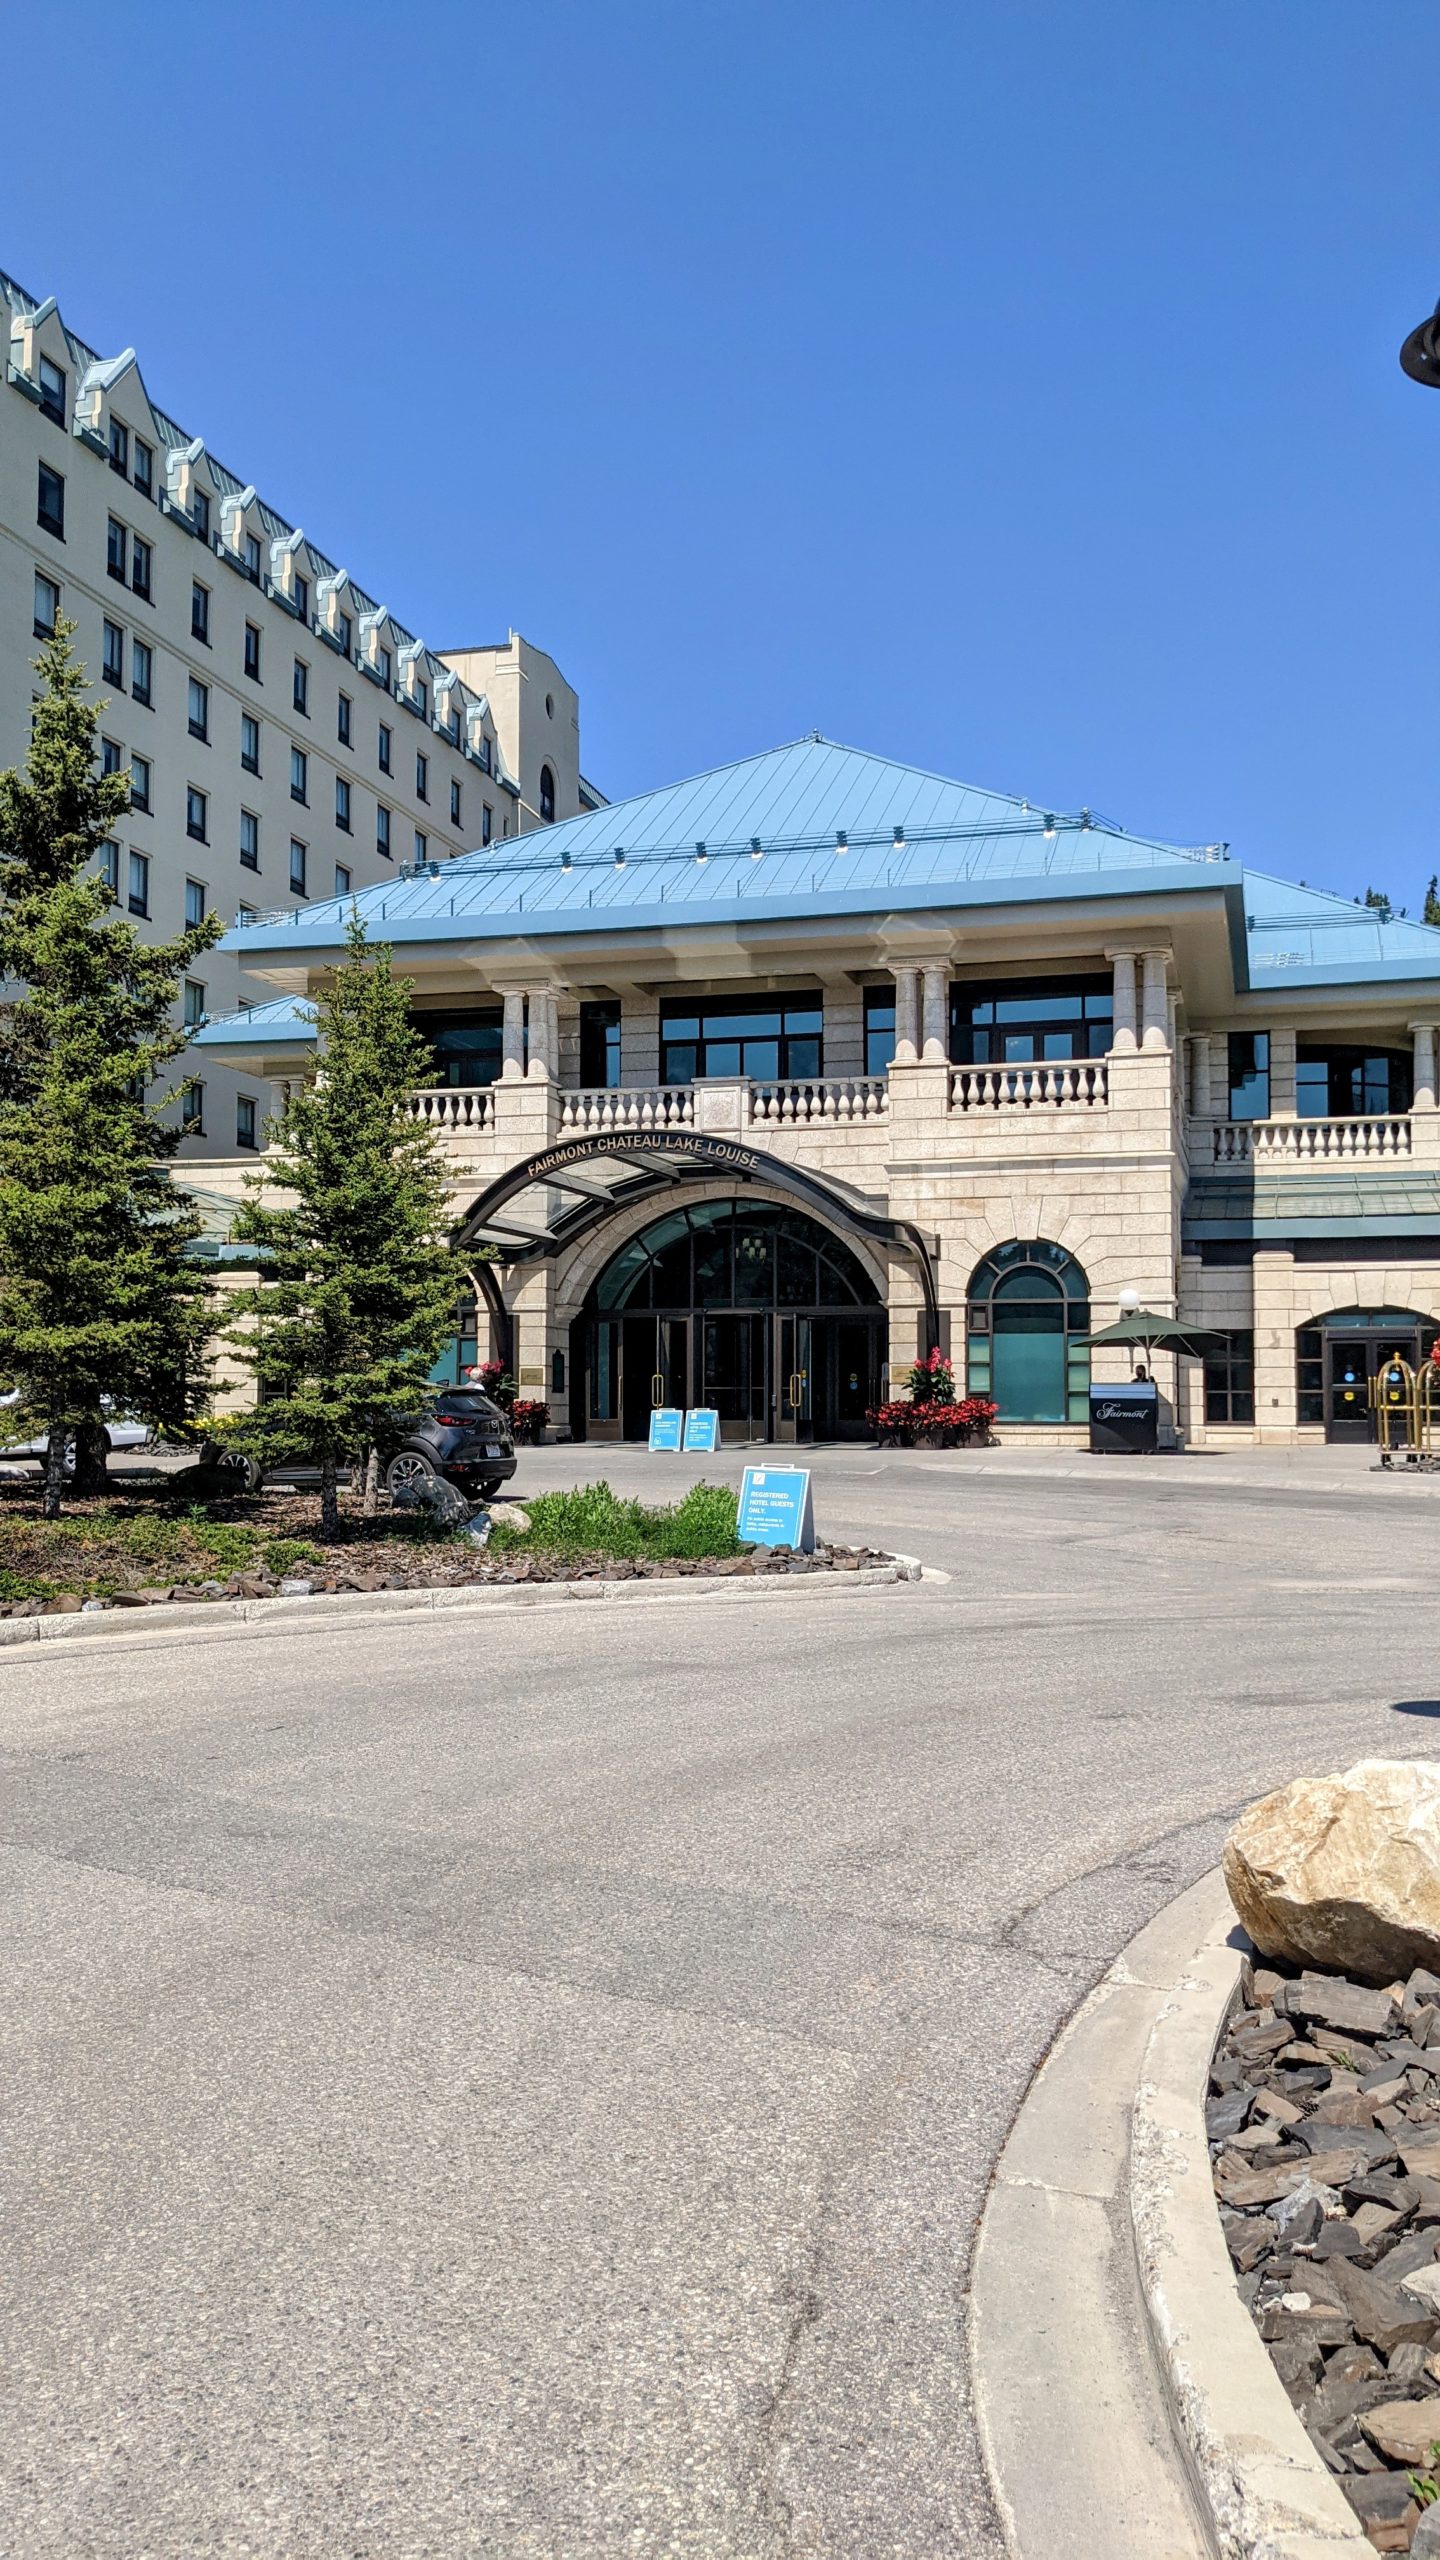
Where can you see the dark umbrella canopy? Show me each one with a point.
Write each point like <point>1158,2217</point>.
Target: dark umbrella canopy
<point>1144,1332</point>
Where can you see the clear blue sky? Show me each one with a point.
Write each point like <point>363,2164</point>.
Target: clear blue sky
<point>1007,386</point>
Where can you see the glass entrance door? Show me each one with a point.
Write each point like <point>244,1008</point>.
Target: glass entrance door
<point>654,1368</point>
<point>1351,1362</point>
<point>734,1373</point>
<point>794,1383</point>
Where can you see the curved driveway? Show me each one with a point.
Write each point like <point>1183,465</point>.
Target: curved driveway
<point>528,2086</point>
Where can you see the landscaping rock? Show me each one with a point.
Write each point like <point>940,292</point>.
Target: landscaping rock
<point>1425,2541</point>
<point>1344,1871</point>
<point>1337,2004</point>
<point>1404,2430</point>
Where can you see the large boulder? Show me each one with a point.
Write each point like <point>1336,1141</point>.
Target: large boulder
<point>1344,1871</point>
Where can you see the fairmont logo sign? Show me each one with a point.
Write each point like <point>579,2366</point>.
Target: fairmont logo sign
<point>663,1142</point>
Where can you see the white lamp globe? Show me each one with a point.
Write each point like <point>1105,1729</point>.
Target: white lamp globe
<point>1129,1302</point>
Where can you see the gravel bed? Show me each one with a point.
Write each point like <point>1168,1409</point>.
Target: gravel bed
<point>1324,2125</point>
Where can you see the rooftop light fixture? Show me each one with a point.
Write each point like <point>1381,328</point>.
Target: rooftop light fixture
<point>619,857</point>
<point>756,848</point>
<point>842,840</point>
<point>899,834</point>
<point>700,853</point>
<point>566,861</point>
<point>1049,828</point>
<point>434,870</point>
<point>1085,818</point>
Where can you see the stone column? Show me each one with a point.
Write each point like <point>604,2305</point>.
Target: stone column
<point>1154,1011</point>
<point>936,978</point>
<point>543,1061</point>
<point>1123,963</point>
<point>1200,1102</point>
<point>1282,1075</point>
<point>1423,1034</point>
<point>512,1036</point>
<point>907,1017</point>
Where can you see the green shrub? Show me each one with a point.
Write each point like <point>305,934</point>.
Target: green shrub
<point>281,1555</point>
<point>594,1520</point>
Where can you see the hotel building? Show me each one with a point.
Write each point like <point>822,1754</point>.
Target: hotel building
<point>754,1087</point>
<point>289,740</point>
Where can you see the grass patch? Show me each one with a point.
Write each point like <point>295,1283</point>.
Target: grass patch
<point>596,1521</point>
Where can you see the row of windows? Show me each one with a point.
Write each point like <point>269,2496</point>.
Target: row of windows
<point>130,558</point>
<point>197,895</point>
<point>247,1115</point>
<point>197,801</point>
<point>1334,1079</point>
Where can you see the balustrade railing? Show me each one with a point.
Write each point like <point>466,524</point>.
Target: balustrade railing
<point>650,1106</point>
<point>454,1106</point>
<point>831,1098</point>
<point>1310,1141</point>
<point>1076,1084</point>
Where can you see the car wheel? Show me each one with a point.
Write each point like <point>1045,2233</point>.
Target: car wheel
<point>411,1471</point>
<point>487,1488</point>
<point>245,1472</point>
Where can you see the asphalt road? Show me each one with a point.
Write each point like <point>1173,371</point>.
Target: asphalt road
<point>529,2087</point>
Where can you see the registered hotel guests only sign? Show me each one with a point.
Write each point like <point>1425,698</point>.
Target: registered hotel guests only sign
<point>667,1421</point>
<point>775,1508</point>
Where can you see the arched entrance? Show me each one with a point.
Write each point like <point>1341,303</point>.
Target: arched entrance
<point>1027,1332</point>
<point>742,1304</point>
<point>1337,1355</point>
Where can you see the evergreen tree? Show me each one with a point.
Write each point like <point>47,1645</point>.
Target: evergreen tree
<point>1432,901</point>
<point>356,1298</point>
<point>1379,900</point>
<point>97,1297</point>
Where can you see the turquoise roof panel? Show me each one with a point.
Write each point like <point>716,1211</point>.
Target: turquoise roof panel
<point>1306,935</point>
<point>259,1026</point>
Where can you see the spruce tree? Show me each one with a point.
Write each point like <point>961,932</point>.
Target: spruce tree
<point>1432,901</point>
<point>357,1293</point>
<point>98,1300</point>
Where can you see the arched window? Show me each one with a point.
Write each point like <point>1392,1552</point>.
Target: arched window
<point>1027,1329</point>
<point>547,795</point>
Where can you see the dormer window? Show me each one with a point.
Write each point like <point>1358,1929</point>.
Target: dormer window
<point>302,597</point>
<point>202,514</point>
<point>386,665</point>
<point>252,558</point>
<point>52,390</point>
<point>120,448</point>
<point>144,474</point>
<point>345,632</point>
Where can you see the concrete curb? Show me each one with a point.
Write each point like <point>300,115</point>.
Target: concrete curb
<point>1103,2295</point>
<point>166,1622</point>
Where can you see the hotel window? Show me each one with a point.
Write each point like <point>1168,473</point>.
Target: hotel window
<point>195,896</point>
<point>297,867</point>
<point>1024,1022</point>
<point>879,1029</point>
<point>202,514</point>
<point>302,598</point>
<point>252,558</point>
<point>140,783</point>
<point>383,748</point>
<point>600,1043</point>
<point>249,840</point>
<point>192,1109</point>
<point>452,724</point>
<point>345,632</point>
<point>422,846</point>
<point>486,822</point>
<point>299,776</point>
<point>1341,1080</point>
<point>194,1003</point>
<point>245,1120</point>
<point>196,814</point>
<point>386,666</point>
<point>47,607</point>
<point>199,612</point>
<point>110,866</point>
<point>50,502</point>
<point>144,468</point>
<point>112,756</point>
<point>117,549</point>
<point>454,804</point>
<point>199,710</point>
<point>120,448</point>
<point>342,879</point>
<point>484,754</point>
<point>765,1036</point>
<point>249,742</point>
<point>142,670</point>
<point>547,796</point>
<point>1249,1063</point>
<point>52,391</point>
<point>342,802</point>
<point>139,898</point>
<point>1310,1373</point>
<point>422,777</point>
<point>300,688</point>
<point>382,830</point>
<point>252,651</point>
<point>1230,1380</point>
<point>342,719</point>
<point>112,653</point>
<point>141,554</point>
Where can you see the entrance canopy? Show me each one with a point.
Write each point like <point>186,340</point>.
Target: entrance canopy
<point>545,1204</point>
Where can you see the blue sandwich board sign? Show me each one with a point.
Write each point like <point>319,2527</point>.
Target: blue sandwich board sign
<point>667,1422</point>
<point>775,1508</point>
<point>702,1427</point>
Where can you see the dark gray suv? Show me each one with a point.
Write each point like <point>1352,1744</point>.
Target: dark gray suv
<point>464,1438</point>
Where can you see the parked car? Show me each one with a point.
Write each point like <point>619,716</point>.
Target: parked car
<point>463,1437</point>
<point>121,1432</point>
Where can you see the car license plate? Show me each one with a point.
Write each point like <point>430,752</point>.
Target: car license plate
<point>493,1449</point>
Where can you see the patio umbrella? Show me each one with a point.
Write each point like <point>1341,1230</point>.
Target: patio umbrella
<point>1144,1332</point>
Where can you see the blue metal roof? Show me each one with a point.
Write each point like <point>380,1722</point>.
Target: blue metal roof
<point>812,828</point>
<point>1307,935</point>
<point>260,1026</point>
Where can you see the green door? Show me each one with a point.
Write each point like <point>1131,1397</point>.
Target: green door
<point>1028,1348</point>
